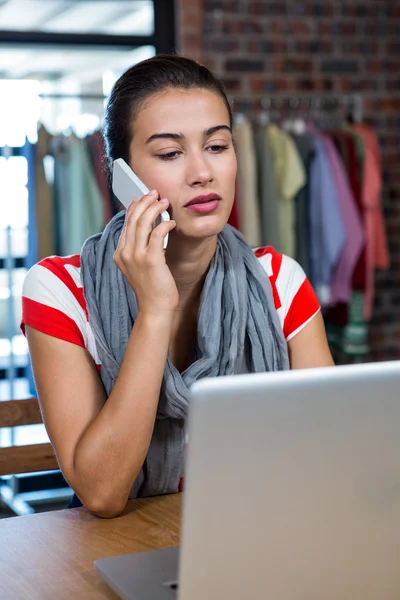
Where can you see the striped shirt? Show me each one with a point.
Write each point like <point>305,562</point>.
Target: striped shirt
<point>53,300</point>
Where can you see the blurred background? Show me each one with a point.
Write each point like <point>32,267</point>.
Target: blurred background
<point>287,66</point>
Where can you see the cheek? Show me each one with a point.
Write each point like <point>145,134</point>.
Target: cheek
<point>234,171</point>
<point>229,173</point>
<point>164,182</point>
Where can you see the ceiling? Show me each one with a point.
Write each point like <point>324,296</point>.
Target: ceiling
<point>56,66</point>
<point>81,64</point>
<point>84,16</point>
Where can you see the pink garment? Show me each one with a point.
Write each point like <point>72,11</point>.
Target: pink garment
<point>342,276</point>
<point>377,256</point>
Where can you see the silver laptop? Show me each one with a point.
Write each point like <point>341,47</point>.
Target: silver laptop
<point>292,492</point>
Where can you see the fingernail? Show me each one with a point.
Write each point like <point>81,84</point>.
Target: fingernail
<point>164,200</point>
<point>153,192</point>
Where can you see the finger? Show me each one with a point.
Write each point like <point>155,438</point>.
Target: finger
<point>145,223</point>
<point>156,243</point>
<point>138,207</point>
<point>122,237</point>
<point>134,211</point>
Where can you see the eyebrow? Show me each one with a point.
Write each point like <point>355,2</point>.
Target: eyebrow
<point>180,136</point>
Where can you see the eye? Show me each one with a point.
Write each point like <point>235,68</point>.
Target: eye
<point>169,155</point>
<point>217,149</point>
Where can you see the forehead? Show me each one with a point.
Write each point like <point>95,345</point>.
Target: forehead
<point>181,111</point>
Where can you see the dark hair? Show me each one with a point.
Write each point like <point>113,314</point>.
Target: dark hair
<point>165,71</point>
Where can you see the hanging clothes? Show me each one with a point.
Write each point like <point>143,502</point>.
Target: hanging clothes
<point>267,190</point>
<point>345,325</point>
<point>86,207</point>
<point>332,223</point>
<point>43,197</point>
<point>79,206</point>
<point>248,206</point>
<point>61,192</point>
<point>291,177</point>
<point>342,274</point>
<point>352,153</point>
<point>377,256</point>
<point>95,145</point>
<point>328,234</point>
<point>306,150</point>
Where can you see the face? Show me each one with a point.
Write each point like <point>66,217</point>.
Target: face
<point>182,146</point>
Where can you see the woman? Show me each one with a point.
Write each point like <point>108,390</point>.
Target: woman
<point>119,333</point>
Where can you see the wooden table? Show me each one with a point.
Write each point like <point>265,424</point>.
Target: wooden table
<point>50,555</point>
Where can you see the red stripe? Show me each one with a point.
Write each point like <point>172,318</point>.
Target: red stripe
<point>56,265</point>
<point>262,251</point>
<point>276,261</point>
<point>304,305</point>
<point>74,260</point>
<point>276,267</point>
<point>51,321</point>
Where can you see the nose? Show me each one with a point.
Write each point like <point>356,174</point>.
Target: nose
<point>199,171</point>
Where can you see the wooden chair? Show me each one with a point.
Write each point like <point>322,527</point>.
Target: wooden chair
<point>24,459</point>
<point>15,460</point>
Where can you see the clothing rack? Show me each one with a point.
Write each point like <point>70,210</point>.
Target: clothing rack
<point>291,103</point>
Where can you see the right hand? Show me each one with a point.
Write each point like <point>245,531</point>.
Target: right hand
<point>140,256</point>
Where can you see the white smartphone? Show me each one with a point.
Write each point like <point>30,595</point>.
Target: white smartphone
<point>126,186</point>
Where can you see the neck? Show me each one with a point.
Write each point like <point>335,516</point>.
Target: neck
<point>188,261</point>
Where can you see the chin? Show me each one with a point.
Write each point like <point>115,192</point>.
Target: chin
<point>205,227</point>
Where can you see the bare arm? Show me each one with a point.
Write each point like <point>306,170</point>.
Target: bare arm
<point>101,446</point>
<point>309,348</point>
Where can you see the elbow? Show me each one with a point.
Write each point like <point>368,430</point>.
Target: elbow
<point>105,508</point>
<point>99,499</point>
<point>104,505</point>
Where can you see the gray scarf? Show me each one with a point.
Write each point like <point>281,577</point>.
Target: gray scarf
<point>238,331</point>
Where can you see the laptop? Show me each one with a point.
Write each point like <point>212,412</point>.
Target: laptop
<point>292,492</point>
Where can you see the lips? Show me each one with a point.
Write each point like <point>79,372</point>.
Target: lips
<point>203,199</point>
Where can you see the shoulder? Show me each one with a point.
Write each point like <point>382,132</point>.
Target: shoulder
<point>53,300</point>
<point>279,267</point>
<point>294,297</point>
<point>55,281</point>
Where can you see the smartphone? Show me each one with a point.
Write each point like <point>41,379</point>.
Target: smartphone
<point>126,185</point>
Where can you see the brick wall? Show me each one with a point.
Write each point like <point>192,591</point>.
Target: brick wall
<point>335,47</point>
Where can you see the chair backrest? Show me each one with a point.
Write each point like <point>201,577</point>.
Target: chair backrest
<point>24,459</point>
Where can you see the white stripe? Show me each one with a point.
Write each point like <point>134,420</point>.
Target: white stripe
<point>91,344</point>
<point>281,316</point>
<point>296,331</point>
<point>266,262</point>
<point>288,282</point>
<point>41,285</point>
<point>75,273</point>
